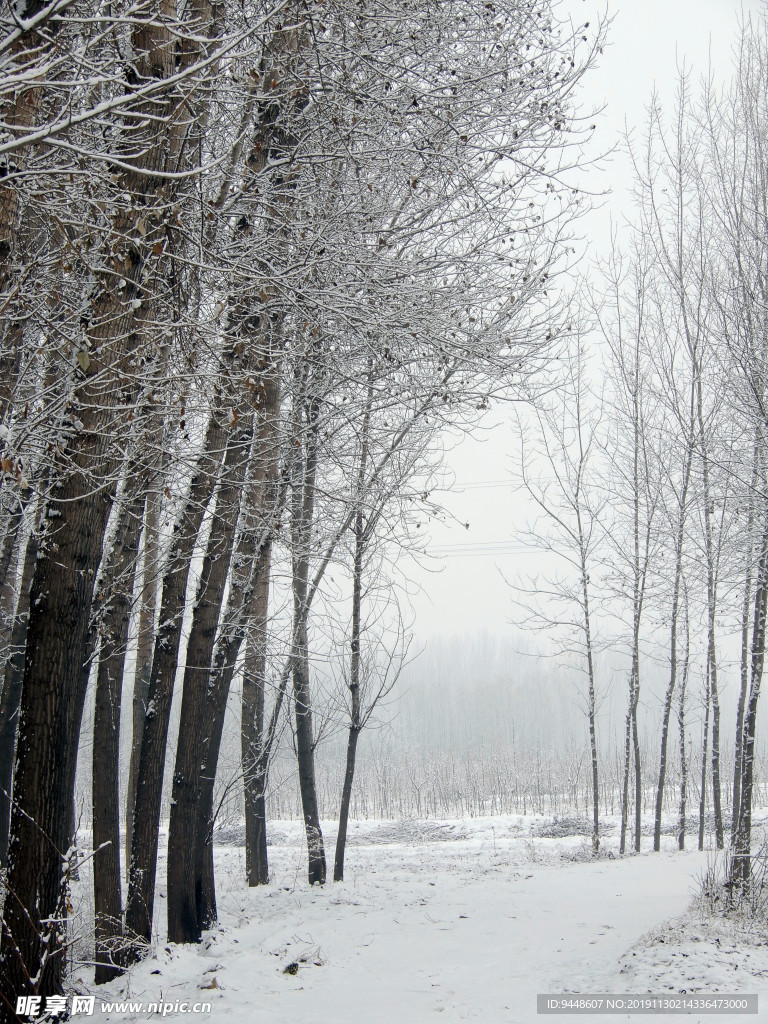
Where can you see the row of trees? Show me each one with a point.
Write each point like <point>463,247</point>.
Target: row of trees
<point>654,484</point>
<point>253,258</point>
<point>392,782</point>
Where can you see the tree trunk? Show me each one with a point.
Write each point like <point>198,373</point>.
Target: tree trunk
<point>346,796</point>
<point>716,789</point>
<point>741,868</point>
<point>149,787</point>
<point>106,830</point>
<point>625,775</point>
<point>667,714</point>
<point>205,822</point>
<point>712,686</point>
<point>668,697</point>
<point>106,733</point>
<point>592,717</point>
<point>258,871</point>
<point>744,659</point>
<point>144,647</point>
<point>11,695</point>
<point>681,731</point>
<point>273,139</point>
<point>741,706</point>
<point>355,717</point>
<point>639,570</point>
<point>705,743</point>
<point>218,690</point>
<point>247,607</point>
<point>12,550</point>
<point>638,775</point>
<point>354,692</point>
<point>302,516</point>
<point>252,736</point>
<point>589,649</point>
<point>184,892</point>
<point>52,693</point>
<point>316,871</point>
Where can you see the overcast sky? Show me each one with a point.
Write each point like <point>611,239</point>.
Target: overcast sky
<point>648,41</point>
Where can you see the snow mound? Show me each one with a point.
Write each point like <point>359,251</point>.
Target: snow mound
<point>232,833</point>
<point>563,827</point>
<point>410,832</point>
<point>698,953</point>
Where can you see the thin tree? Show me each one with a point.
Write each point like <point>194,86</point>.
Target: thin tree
<point>566,446</point>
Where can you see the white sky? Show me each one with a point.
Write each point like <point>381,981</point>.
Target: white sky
<point>648,42</point>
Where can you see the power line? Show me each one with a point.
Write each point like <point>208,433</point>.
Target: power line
<point>487,548</point>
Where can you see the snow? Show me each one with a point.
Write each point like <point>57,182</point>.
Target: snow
<point>462,921</point>
<point>695,954</point>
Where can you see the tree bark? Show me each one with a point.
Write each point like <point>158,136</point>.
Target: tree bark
<point>744,658</point>
<point>681,732</point>
<point>246,611</point>
<point>668,697</point>
<point>149,787</point>
<point>625,775</point>
<point>10,699</point>
<point>32,49</point>
<point>704,752</point>
<point>184,891</point>
<point>346,796</point>
<point>150,568</point>
<point>302,515</point>
<point>712,685</point>
<point>354,694</point>
<point>12,549</point>
<point>60,604</point>
<point>638,772</point>
<point>252,735</point>
<point>591,709</point>
<point>223,670</point>
<point>741,867</point>
<point>122,559</point>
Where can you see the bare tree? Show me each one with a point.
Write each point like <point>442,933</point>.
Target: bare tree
<point>635,486</point>
<point>559,471</point>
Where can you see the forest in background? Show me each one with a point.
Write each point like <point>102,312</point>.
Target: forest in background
<point>463,733</point>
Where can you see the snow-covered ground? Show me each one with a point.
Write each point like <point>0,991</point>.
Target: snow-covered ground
<point>460,921</point>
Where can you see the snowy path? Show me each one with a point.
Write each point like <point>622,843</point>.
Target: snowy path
<point>464,930</point>
<point>476,947</point>
<point>468,930</point>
